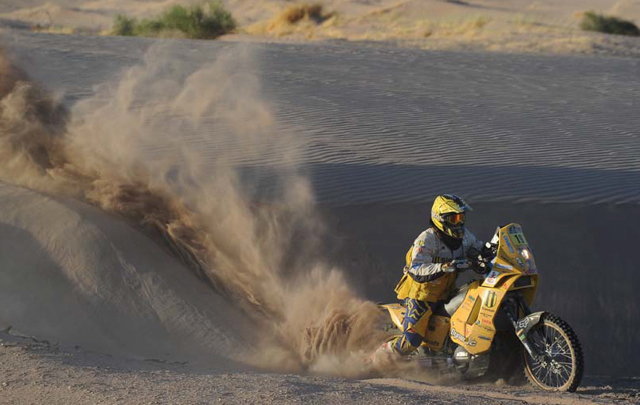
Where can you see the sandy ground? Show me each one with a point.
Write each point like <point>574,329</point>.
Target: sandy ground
<point>34,371</point>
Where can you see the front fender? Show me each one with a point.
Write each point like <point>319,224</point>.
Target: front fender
<point>525,324</point>
<point>523,327</point>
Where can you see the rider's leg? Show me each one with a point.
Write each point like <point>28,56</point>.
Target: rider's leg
<point>415,320</point>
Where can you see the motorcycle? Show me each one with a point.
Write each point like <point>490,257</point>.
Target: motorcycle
<point>488,326</point>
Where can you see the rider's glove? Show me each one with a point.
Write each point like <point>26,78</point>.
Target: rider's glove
<point>448,268</point>
<point>486,252</point>
<point>483,268</point>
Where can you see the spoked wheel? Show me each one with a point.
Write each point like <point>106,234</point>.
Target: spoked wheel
<point>560,363</point>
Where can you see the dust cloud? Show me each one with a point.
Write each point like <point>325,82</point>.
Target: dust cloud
<point>263,256</point>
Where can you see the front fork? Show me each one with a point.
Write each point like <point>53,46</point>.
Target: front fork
<point>523,325</point>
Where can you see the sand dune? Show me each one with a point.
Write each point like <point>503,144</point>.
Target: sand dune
<point>74,274</point>
<point>564,126</point>
<point>521,26</point>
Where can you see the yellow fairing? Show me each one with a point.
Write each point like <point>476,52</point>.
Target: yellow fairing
<point>472,325</point>
<point>436,332</point>
<point>515,259</point>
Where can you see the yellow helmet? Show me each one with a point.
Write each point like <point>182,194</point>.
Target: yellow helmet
<point>448,214</point>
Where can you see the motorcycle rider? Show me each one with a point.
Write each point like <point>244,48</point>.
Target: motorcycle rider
<point>432,264</point>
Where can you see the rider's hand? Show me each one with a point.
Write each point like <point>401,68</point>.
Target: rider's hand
<point>482,268</point>
<point>456,265</point>
<point>448,267</point>
<point>486,252</point>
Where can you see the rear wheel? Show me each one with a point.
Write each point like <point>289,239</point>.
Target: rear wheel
<point>560,365</point>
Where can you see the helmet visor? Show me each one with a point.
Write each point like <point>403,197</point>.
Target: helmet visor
<point>455,218</point>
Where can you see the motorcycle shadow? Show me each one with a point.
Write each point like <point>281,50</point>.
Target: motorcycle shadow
<point>622,388</point>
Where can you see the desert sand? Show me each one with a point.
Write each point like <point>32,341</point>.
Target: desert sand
<point>212,221</point>
<point>540,26</point>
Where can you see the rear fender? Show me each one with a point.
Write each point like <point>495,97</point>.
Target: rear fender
<point>396,313</point>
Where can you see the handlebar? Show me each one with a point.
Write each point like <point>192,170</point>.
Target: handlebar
<point>480,259</point>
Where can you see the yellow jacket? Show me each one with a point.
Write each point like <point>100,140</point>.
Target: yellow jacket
<point>424,278</point>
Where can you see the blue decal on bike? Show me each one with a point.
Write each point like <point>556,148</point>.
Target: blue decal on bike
<point>508,242</point>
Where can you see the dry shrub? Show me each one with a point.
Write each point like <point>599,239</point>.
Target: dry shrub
<point>467,28</point>
<point>55,29</point>
<point>299,12</point>
<point>592,21</point>
<point>298,17</point>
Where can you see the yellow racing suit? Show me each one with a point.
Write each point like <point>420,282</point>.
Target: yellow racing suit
<point>425,282</point>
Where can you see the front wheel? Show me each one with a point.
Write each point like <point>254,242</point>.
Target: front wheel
<point>560,364</point>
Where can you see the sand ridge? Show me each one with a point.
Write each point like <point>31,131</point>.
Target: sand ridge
<point>506,26</point>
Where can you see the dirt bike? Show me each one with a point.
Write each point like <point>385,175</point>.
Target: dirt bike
<point>477,331</point>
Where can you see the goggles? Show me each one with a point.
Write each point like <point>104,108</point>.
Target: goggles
<point>455,219</point>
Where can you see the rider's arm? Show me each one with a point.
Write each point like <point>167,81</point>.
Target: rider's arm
<point>473,241</point>
<point>423,267</point>
<point>477,251</point>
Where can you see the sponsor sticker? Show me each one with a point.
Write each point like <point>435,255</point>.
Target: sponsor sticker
<point>466,341</point>
<point>523,323</point>
<point>504,266</point>
<point>508,243</point>
<point>519,239</point>
<point>492,278</point>
<point>490,299</point>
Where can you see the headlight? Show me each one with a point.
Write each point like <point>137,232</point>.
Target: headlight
<point>525,253</point>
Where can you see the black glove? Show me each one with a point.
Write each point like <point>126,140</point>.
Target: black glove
<point>487,251</point>
<point>482,267</point>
